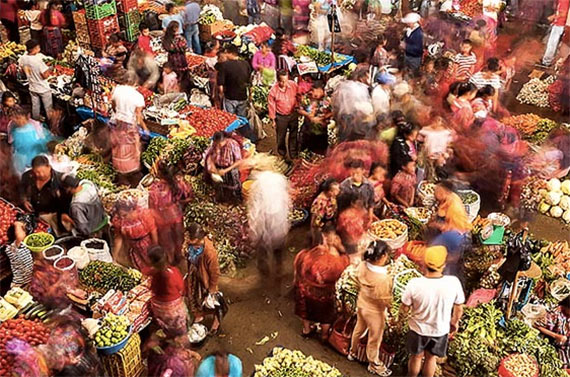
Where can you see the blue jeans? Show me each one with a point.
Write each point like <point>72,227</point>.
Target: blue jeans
<point>192,35</point>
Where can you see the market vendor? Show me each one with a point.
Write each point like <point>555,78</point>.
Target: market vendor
<point>316,108</point>
<point>7,105</point>
<point>264,62</point>
<point>451,213</point>
<point>116,51</point>
<point>324,207</point>
<point>556,326</point>
<point>19,256</point>
<point>222,161</point>
<point>352,224</point>
<point>135,229</point>
<point>86,210</point>
<point>42,193</point>
<point>203,273</point>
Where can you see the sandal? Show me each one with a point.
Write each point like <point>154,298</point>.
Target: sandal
<point>214,332</point>
<point>308,334</point>
<point>385,373</point>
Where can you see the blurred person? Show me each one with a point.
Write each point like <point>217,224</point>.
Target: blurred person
<point>437,140</point>
<point>414,42</point>
<point>319,24</point>
<point>455,243</point>
<point>7,105</point>
<point>435,303</point>
<point>282,107</point>
<point>28,139</point>
<point>167,302</point>
<point>169,82</point>
<point>127,117</point>
<point>461,107</point>
<point>223,158</point>
<point>282,46</point>
<point>173,14</point>
<point>483,104</point>
<point>176,46</point>
<point>143,41</point>
<point>464,61</point>
<point>33,17</point>
<point>403,188</point>
<point>315,107</point>
<point>556,327</point>
<point>374,299</point>
<point>53,21</point>
<point>488,75</point>
<point>37,72</point>
<point>135,229</point>
<point>558,22</point>
<point>268,206</point>
<point>203,273</point>
<point>144,68</point>
<point>42,193</point>
<point>85,210</point>
<point>191,32</point>
<point>451,213</point>
<point>220,364</point>
<point>403,148</point>
<point>324,208</point>
<point>377,179</point>
<point>352,223</point>
<point>9,19</point>
<point>301,15</point>
<point>316,271</point>
<point>253,12</point>
<point>172,357</point>
<point>166,196</point>
<point>381,95</point>
<point>380,57</point>
<point>19,256</point>
<point>233,80</point>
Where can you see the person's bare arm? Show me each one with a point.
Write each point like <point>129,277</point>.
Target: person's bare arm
<point>455,317</point>
<point>140,118</point>
<point>117,245</point>
<point>154,236</point>
<point>561,339</point>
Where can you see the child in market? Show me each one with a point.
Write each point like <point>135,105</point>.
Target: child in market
<point>403,189</point>
<point>464,61</point>
<point>169,82</point>
<point>377,179</point>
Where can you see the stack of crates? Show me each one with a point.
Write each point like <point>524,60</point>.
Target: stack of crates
<point>129,18</point>
<point>127,362</point>
<point>102,21</point>
<point>81,30</point>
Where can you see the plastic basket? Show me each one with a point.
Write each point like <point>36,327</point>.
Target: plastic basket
<point>111,350</point>
<point>127,362</point>
<point>425,199</point>
<point>126,6</point>
<point>79,17</point>
<point>99,11</point>
<point>101,30</point>
<point>132,32</point>
<point>38,249</point>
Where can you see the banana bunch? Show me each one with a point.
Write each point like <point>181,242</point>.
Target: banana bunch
<point>7,310</point>
<point>480,223</point>
<point>183,130</point>
<point>11,50</point>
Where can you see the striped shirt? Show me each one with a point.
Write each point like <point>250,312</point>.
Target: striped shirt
<point>21,263</point>
<point>464,65</point>
<point>480,81</point>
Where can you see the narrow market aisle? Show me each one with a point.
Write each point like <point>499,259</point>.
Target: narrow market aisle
<point>259,308</point>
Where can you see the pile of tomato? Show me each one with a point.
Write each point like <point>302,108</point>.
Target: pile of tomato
<point>7,217</point>
<point>471,8</point>
<point>208,121</point>
<point>194,60</point>
<point>33,332</point>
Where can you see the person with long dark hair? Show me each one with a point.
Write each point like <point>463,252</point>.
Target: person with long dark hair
<point>324,207</point>
<point>177,47</point>
<point>403,148</point>
<point>53,21</point>
<point>374,298</point>
<point>165,195</point>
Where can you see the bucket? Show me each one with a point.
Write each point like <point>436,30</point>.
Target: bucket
<point>79,256</point>
<point>53,253</point>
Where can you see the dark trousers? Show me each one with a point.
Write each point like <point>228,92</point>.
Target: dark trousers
<point>12,30</point>
<point>284,123</point>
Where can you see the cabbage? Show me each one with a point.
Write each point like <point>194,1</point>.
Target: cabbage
<point>565,186</point>
<point>553,185</point>
<point>553,198</point>
<point>543,207</point>
<point>556,211</point>
<point>566,216</point>
<point>564,202</point>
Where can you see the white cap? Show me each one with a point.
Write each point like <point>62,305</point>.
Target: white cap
<point>411,18</point>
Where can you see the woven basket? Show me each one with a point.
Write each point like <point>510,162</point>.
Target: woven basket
<point>127,362</point>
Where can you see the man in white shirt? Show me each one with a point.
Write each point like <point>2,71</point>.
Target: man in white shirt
<point>37,73</point>
<point>172,15</point>
<point>435,302</point>
<point>381,95</point>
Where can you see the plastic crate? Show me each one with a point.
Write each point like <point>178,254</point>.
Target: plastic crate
<point>127,362</point>
<point>132,33</point>
<point>79,17</point>
<point>99,11</point>
<point>101,30</point>
<point>126,6</point>
<point>130,20</point>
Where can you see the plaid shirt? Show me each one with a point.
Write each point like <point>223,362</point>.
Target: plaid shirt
<point>558,323</point>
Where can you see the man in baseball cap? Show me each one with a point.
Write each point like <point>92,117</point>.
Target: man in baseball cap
<point>435,304</point>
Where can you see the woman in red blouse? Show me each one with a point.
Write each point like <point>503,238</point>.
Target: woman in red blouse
<point>167,302</point>
<point>53,20</point>
<point>353,223</point>
<point>135,227</point>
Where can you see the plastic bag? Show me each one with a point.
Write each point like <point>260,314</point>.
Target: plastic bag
<point>255,122</point>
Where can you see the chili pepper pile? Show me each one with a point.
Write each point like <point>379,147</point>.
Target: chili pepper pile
<point>471,8</point>
<point>303,183</point>
<point>194,60</point>
<point>208,121</point>
<point>33,332</point>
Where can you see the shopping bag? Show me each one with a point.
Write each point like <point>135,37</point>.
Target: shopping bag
<point>255,122</point>
<point>341,334</point>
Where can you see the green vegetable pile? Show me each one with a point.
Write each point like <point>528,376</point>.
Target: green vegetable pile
<point>320,57</point>
<point>175,150</point>
<point>346,289</point>
<point>287,363</point>
<point>39,239</point>
<point>153,150</point>
<point>543,129</point>
<point>259,95</point>
<point>105,276</point>
<point>468,197</point>
<point>97,171</point>
<point>481,343</point>
<point>113,331</point>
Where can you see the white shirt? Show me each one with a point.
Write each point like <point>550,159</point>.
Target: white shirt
<point>380,100</point>
<point>127,100</point>
<point>34,67</point>
<point>491,4</point>
<point>431,301</point>
<point>436,141</point>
